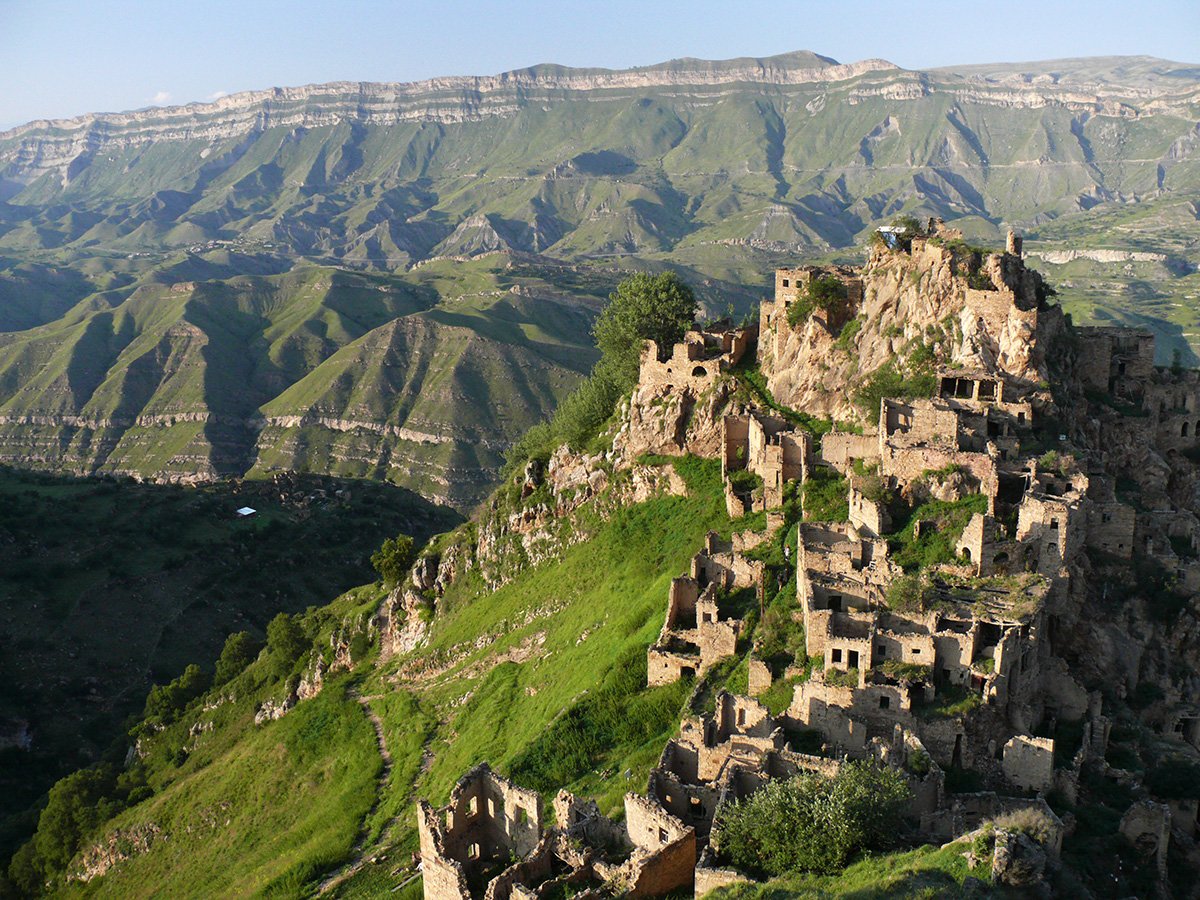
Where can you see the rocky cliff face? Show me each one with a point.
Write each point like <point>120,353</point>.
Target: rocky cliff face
<point>918,304</point>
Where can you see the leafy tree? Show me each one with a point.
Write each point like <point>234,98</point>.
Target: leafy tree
<point>286,643</point>
<point>659,308</point>
<point>165,701</point>
<point>812,823</point>
<point>239,651</point>
<point>78,804</point>
<point>393,560</point>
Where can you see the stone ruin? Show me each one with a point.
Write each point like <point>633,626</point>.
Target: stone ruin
<point>490,842</point>
<point>959,668</point>
<point>700,630</point>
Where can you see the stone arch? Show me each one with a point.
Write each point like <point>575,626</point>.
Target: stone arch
<point>699,372</point>
<point>966,552</point>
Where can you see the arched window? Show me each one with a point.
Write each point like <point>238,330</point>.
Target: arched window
<point>966,552</point>
<point>699,372</point>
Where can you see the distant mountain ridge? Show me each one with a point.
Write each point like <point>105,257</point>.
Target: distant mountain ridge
<point>396,280</point>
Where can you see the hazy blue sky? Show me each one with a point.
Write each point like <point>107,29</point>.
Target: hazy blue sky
<point>65,57</point>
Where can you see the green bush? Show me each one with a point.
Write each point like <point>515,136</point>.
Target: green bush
<point>393,560</point>
<point>825,292</point>
<point>286,643</point>
<point>239,651</point>
<point>1175,779</point>
<point>891,382</point>
<point>744,481</point>
<point>166,701</point>
<point>812,823</point>
<point>826,497</point>
<point>906,593</point>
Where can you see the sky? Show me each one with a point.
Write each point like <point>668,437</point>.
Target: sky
<point>63,58</point>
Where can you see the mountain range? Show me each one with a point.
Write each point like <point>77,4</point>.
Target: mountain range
<point>396,280</point>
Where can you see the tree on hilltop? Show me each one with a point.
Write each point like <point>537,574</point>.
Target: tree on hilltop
<point>659,308</point>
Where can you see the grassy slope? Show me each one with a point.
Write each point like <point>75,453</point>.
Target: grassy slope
<point>107,587</point>
<point>494,702</point>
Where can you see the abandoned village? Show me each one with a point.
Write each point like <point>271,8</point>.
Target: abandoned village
<point>1056,454</point>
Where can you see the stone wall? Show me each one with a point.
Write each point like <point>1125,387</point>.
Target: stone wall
<point>1028,762</point>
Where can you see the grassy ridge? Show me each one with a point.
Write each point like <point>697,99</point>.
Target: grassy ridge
<point>544,678</point>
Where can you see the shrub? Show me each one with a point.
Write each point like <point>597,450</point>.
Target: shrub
<point>1175,779</point>
<point>889,381</point>
<point>811,823</point>
<point>826,497</point>
<point>825,292</point>
<point>906,593</point>
<point>1029,821</point>
<point>286,643</point>
<point>166,701</point>
<point>393,560</point>
<point>239,651</point>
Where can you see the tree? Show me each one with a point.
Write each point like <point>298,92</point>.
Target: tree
<point>286,643</point>
<point>393,560</point>
<point>812,823</point>
<point>78,804</point>
<point>165,701</point>
<point>659,308</point>
<point>239,651</point>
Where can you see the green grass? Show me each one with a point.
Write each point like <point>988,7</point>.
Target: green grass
<point>109,586</point>
<point>826,496</point>
<point>921,873</point>
<point>935,544</point>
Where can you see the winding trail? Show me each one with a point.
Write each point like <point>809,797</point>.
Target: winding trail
<point>358,858</point>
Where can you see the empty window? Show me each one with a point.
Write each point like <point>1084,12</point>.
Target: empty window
<point>522,816</point>
<point>699,372</point>
<point>662,835</point>
<point>1183,430</point>
<point>852,659</point>
<point>885,702</point>
<point>472,851</point>
<point>836,655</point>
<point>473,806</point>
<point>491,807</point>
<point>785,283</point>
<point>1054,524</point>
<point>881,651</point>
<point>741,717</point>
<point>916,651</point>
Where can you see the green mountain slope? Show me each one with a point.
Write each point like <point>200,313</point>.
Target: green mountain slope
<point>498,673</point>
<point>108,587</point>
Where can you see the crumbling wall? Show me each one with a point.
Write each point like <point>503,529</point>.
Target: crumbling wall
<point>1028,762</point>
